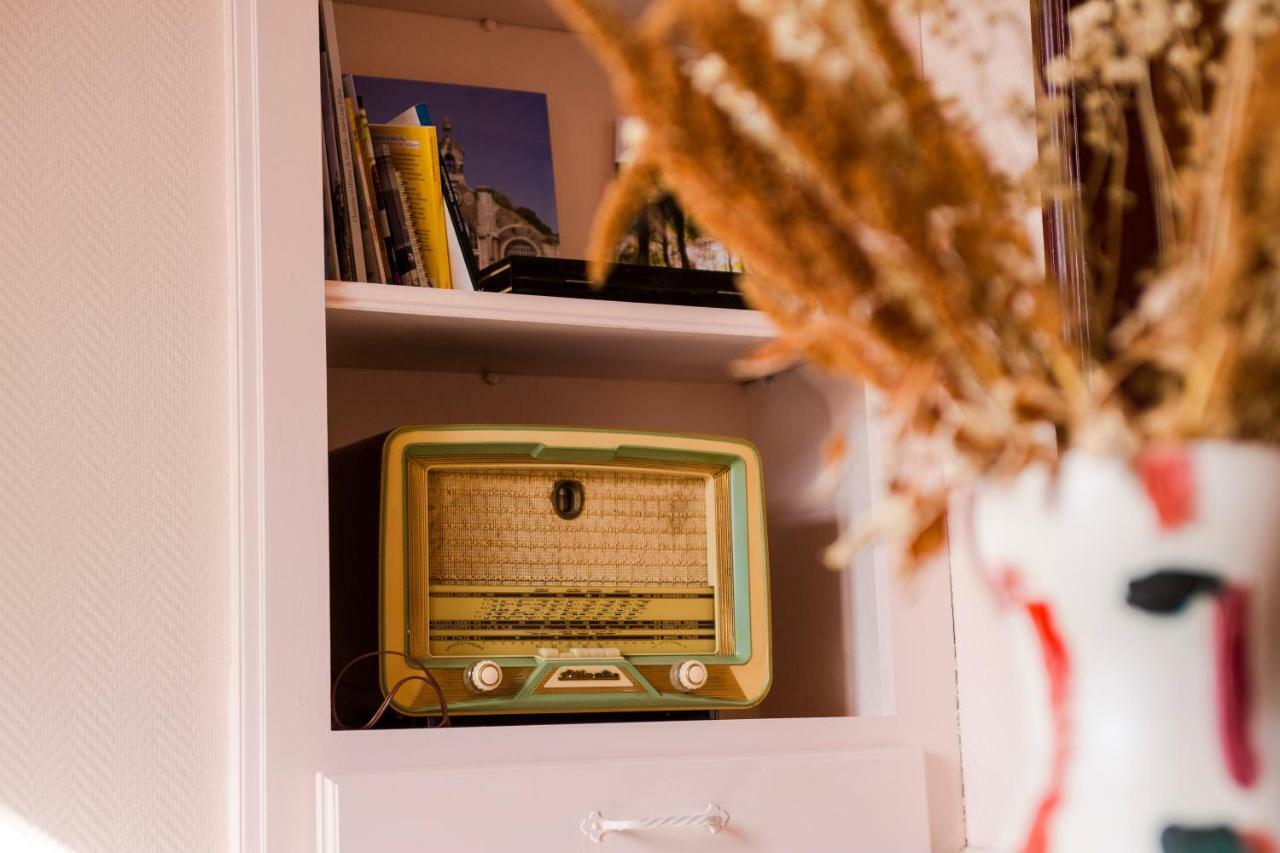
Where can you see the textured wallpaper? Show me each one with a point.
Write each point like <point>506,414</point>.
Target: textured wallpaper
<point>115,616</point>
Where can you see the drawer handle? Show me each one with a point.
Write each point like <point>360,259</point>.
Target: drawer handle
<point>713,817</point>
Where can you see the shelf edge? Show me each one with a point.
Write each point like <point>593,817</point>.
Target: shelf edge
<point>546,310</point>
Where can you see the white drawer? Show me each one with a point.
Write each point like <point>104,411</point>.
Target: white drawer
<point>871,800</point>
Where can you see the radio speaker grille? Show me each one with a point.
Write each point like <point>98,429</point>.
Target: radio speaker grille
<point>499,526</point>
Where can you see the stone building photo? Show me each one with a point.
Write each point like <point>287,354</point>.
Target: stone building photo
<point>499,228</point>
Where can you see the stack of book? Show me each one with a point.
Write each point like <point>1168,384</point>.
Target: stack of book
<point>390,213</point>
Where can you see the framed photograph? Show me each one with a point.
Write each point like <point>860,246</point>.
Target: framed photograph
<point>496,149</point>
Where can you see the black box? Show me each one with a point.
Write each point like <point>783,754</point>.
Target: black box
<point>626,282</point>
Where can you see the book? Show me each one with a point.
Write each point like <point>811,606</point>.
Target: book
<point>364,151</point>
<point>415,155</point>
<point>417,114</point>
<point>330,241</point>
<point>337,187</point>
<point>374,264</point>
<point>462,262</point>
<point>382,223</point>
<point>415,277</point>
<point>400,240</point>
<point>462,257</point>
<point>342,138</point>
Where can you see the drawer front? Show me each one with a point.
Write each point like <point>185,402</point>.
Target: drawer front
<point>832,801</point>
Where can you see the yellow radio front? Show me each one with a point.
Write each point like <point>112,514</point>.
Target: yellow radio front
<point>541,569</point>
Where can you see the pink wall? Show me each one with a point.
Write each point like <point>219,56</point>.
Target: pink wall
<point>116,625</point>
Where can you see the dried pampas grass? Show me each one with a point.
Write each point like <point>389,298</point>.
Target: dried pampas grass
<point>886,246</point>
<point>1214,337</point>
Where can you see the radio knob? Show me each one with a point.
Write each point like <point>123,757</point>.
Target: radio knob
<point>483,676</point>
<point>689,675</point>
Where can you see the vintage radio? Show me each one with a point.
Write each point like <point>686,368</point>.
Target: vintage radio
<point>541,569</point>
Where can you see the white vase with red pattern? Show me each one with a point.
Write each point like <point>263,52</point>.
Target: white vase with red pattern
<point>1151,590</point>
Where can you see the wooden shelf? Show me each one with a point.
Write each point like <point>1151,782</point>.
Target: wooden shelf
<point>388,327</point>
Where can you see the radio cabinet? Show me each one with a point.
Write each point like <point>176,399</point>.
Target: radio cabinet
<point>551,570</point>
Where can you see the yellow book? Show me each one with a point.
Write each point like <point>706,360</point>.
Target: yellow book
<point>414,154</point>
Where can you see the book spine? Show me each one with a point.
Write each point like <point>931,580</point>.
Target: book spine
<point>379,192</point>
<point>395,240</point>
<point>388,245</point>
<point>337,199</point>
<point>331,269</point>
<point>453,208</point>
<point>438,252</point>
<point>368,227</point>
<point>401,253</point>
<point>329,32</point>
<point>420,277</point>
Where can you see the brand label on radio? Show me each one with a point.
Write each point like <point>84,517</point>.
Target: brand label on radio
<point>588,677</point>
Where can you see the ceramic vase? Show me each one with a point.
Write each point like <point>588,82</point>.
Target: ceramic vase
<point>1149,594</point>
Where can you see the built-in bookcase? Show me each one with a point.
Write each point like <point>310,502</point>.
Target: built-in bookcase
<point>863,697</point>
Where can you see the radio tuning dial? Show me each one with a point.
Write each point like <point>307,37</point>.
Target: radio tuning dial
<point>483,676</point>
<point>689,675</point>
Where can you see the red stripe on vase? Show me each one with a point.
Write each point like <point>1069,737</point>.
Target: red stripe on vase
<point>1259,842</point>
<point>1235,696</point>
<point>1057,667</point>
<point>1169,481</point>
